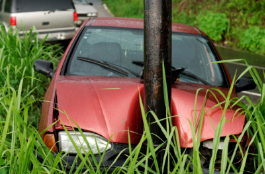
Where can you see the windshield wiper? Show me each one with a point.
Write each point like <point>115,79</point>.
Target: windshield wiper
<point>134,73</point>
<point>181,71</point>
<point>103,64</point>
<point>187,73</point>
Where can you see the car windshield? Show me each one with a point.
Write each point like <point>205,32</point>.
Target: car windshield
<point>83,2</point>
<point>122,46</point>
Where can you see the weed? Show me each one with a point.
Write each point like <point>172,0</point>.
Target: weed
<point>16,61</point>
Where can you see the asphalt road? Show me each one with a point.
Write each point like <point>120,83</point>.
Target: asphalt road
<point>101,8</point>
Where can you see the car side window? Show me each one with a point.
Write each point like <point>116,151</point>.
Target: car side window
<point>8,5</point>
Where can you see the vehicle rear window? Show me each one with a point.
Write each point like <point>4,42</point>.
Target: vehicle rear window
<point>1,1</point>
<point>82,2</point>
<point>8,5</point>
<point>42,5</point>
<point>121,47</point>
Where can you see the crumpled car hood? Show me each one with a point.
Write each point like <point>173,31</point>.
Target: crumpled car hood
<point>109,106</point>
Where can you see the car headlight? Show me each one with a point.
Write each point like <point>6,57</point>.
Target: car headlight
<point>66,145</point>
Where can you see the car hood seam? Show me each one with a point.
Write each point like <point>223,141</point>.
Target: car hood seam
<point>100,106</point>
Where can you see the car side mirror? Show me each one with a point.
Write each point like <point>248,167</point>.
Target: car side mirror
<point>44,67</point>
<point>244,84</point>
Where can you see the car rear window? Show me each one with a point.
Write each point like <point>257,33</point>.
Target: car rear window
<point>42,5</point>
<point>82,2</point>
<point>122,46</point>
<point>8,5</point>
<point>1,1</point>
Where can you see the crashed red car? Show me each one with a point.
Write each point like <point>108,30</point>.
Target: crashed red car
<point>98,80</point>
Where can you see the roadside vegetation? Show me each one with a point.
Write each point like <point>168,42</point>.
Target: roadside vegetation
<point>236,24</point>
<point>16,62</point>
<point>20,144</point>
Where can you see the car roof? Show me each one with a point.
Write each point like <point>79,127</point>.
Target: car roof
<point>137,23</point>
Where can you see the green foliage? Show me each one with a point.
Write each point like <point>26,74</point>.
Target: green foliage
<point>16,61</point>
<point>254,20</point>
<point>253,40</point>
<point>126,8</point>
<point>21,54</point>
<point>213,24</point>
<point>255,115</point>
<point>183,18</point>
<point>19,141</point>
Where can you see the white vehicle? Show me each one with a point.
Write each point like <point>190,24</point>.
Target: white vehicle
<point>84,10</point>
<point>43,15</point>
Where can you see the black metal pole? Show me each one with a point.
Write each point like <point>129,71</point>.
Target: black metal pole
<point>158,46</point>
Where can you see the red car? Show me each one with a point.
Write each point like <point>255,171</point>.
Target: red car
<point>98,79</point>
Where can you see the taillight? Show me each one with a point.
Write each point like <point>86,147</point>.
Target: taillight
<point>49,140</point>
<point>13,21</point>
<point>75,16</point>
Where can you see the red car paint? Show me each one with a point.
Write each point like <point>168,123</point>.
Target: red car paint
<point>138,23</point>
<point>110,106</point>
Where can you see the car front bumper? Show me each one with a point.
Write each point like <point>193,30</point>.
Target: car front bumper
<point>112,159</point>
<point>109,162</point>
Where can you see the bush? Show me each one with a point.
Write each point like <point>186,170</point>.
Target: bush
<point>213,24</point>
<point>253,40</point>
<point>183,18</point>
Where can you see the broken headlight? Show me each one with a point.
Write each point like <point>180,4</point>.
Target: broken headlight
<point>96,142</point>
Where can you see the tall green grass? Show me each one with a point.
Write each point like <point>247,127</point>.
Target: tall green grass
<point>16,62</point>
<point>255,113</point>
<point>18,139</point>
